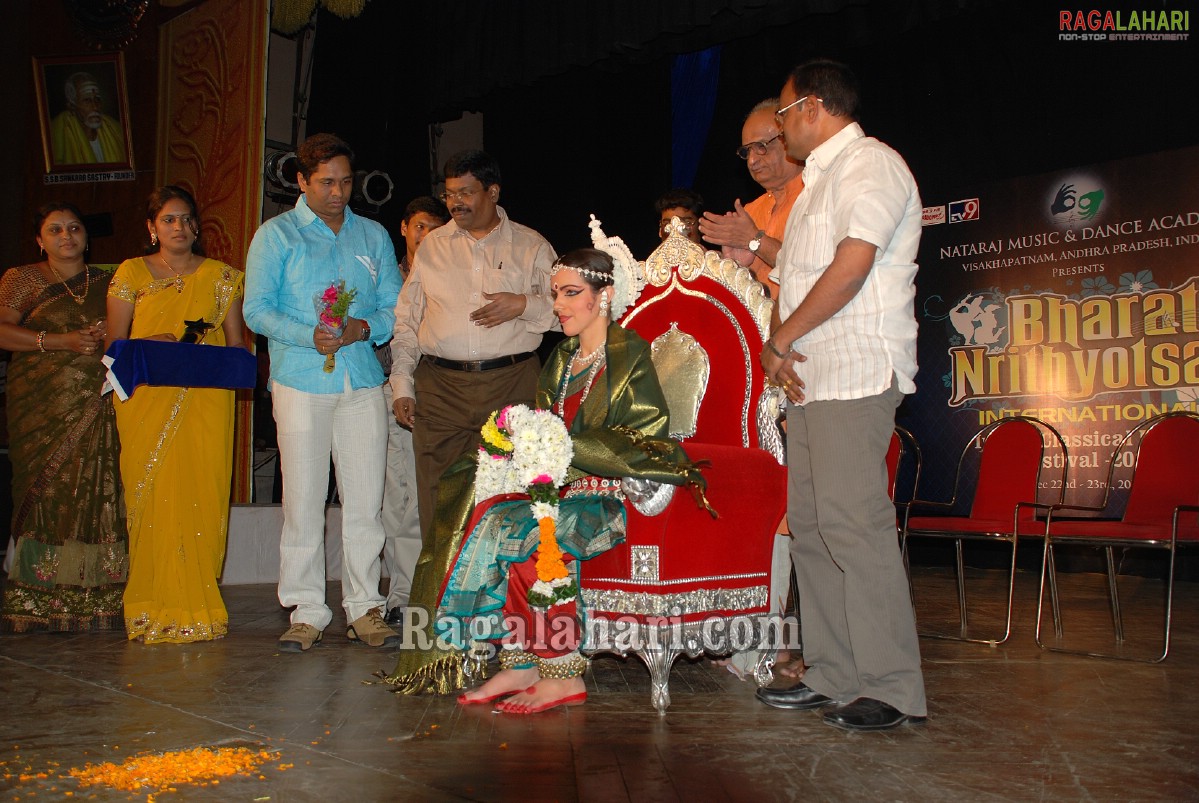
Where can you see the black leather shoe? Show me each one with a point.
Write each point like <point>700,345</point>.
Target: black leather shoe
<point>798,697</point>
<point>395,616</point>
<point>866,714</point>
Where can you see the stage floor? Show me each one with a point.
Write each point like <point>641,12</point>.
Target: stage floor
<point>1006,723</point>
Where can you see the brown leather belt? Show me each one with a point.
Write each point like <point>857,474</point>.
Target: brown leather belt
<point>479,365</point>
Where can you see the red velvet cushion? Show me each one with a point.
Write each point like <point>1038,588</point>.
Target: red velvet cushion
<point>731,339</point>
<point>747,487</point>
<point>963,524</point>
<point>1118,529</point>
<point>1165,475</point>
<point>1164,478</point>
<point>894,450</point>
<point>1007,475</point>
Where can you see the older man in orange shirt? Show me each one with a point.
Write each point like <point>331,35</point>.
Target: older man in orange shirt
<point>753,233</point>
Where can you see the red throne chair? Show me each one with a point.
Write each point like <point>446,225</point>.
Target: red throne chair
<point>683,582</point>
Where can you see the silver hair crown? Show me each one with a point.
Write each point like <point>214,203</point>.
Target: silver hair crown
<point>588,272</point>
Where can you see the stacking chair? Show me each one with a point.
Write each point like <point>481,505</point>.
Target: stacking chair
<point>903,466</point>
<point>1009,482</point>
<point>1161,513</point>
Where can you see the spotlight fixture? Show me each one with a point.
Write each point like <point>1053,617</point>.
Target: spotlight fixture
<point>376,186</point>
<point>281,169</point>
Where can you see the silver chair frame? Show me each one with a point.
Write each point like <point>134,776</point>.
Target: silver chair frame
<point>1109,545</point>
<point>1011,536</point>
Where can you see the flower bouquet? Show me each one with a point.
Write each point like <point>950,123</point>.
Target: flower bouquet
<point>332,306</point>
<point>529,451</point>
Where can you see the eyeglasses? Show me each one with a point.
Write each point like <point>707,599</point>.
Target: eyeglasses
<point>687,223</point>
<point>460,195</point>
<point>758,148</point>
<point>169,220</point>
<point>781,113</point>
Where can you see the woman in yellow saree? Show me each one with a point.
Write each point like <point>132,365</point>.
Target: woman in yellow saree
<point>176,443</point>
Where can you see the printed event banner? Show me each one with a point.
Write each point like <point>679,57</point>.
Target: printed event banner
<point>1071,296</point>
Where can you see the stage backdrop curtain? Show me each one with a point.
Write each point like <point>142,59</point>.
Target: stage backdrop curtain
<point>693,80</point>
<point>211,130</point>
<point>513,44</point>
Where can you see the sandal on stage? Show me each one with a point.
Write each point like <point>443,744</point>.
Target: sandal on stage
<point>571,699</point>
<point>463,700</point>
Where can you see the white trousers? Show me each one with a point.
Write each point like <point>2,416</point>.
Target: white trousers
<point>401,518</point>
<point>352,427</point>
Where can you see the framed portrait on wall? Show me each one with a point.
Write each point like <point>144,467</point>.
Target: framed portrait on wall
<point>84,113</point>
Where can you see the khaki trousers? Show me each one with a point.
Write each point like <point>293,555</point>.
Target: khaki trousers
<point>859,631</point>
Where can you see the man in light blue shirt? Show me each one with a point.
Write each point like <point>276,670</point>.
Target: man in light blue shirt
<point>326,389</point>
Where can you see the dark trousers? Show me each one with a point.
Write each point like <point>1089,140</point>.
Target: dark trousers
<point>451,408</point>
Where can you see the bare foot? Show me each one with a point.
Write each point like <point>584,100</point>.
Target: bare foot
<point>546,693</point>
<point>507,681</point>
<point>788,667</point>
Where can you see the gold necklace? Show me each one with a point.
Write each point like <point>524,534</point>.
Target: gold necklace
<point>87,282</point>
<point>178,281</point>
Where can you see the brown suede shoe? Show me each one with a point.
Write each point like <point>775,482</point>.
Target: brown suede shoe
<point>299,638</point>
<point>372,631</point>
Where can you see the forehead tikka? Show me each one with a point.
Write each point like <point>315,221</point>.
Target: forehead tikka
<point>590,274</point>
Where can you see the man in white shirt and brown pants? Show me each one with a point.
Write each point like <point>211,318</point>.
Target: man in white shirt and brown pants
<point>468,322</point>
<point>845,354</point>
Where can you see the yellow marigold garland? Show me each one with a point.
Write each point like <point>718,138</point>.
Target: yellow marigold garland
<point>550,565</point>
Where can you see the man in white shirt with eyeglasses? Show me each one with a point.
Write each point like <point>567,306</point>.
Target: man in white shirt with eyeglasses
<point>845,354</point>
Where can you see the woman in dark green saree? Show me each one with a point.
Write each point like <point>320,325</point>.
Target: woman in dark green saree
<point>68,549</point>
<point>474,581</point>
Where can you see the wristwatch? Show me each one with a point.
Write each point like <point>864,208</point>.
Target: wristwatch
<point>756,242</point>
<point>366,330</point>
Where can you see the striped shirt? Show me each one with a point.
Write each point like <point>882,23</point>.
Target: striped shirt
<point>450,273</point>
<point>855,186</point>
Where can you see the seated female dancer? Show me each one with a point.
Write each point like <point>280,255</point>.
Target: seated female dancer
<point>602,383</point>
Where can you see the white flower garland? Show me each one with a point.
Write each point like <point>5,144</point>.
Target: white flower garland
<point>529,451</point>
<point>540,451</point>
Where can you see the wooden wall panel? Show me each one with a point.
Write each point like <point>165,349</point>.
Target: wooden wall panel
<point>211,122</point>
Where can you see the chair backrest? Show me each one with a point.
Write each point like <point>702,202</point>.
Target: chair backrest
<point>1009,469</point>
<point>903,455</point>
<point>706,319</point>
<point>1164,475</point>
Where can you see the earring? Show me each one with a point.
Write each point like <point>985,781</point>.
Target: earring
<point>41,250</point>
<point>603,306</point>
<point>153,238</point>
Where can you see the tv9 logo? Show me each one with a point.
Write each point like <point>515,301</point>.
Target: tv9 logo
<point>961,211</point>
